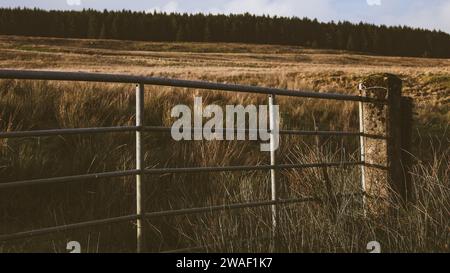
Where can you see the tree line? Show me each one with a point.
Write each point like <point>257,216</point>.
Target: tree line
<point>242,28</point>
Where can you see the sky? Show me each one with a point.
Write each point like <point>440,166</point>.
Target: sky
<point>429,14</point>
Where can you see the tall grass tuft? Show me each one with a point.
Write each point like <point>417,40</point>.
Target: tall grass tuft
<point>329,225</point>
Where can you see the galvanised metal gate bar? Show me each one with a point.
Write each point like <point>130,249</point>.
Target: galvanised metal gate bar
<point>57,132</point>
<point>134,217</point>
<point>117,78</point>
<point>141,214</point>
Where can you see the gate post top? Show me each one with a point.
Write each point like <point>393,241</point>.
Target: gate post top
<point>391,84</point>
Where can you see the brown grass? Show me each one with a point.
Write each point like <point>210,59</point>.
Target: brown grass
<point>309,227</point>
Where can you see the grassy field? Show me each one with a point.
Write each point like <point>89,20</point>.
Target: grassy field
<point>309,227</point>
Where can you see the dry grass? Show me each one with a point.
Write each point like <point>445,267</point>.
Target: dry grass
<point>309,227</point>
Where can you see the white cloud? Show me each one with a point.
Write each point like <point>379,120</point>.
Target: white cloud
<point>300,8</point>
<point>316,9</point>
<point>171,6</point>
<point>423,15</point>
<point>445,17</point>
<point>374,2</point>
<point>74,2</point>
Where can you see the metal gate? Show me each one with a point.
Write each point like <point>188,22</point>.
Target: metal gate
<point>140,128</point>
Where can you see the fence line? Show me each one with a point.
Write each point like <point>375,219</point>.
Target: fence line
<point>148,215</point>
<point>156,171</point>
<point>122,129</point>
<point>117,78</point>
<point>140,81</point>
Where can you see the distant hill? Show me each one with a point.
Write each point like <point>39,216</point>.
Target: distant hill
<point>245,28</point>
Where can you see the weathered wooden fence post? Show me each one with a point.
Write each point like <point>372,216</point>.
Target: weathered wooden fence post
<point>386,171</point>
<point>406,126</point>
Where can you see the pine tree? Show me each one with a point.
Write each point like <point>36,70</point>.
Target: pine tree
<point>70,29</point>
<point>340,39</point>
<point>103,34</point>
<point>181,34</point>
<point>115,28</point>
<point>207,33</point>
<point>351,45</point>
<point>93,29</point>
<point>403,41</point>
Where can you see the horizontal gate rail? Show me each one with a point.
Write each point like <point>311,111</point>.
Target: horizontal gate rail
<point>247,168</point>
<point>67,179</point>
<point>60,132</point>
<point>226,207</point>
<point>45,231</point>
<point>119,129</point>
<point>74,178</point>
<point>117,78</point>
<point>94,223</point>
